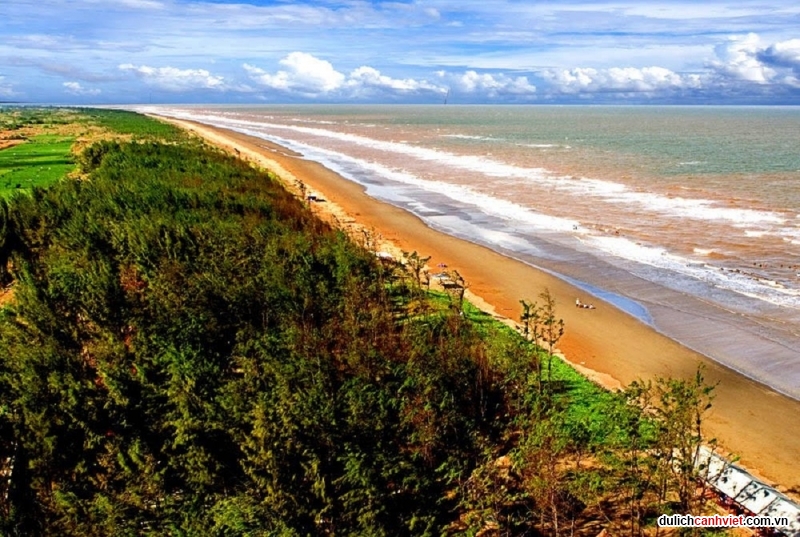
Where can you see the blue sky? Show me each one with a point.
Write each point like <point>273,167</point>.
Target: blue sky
<point>474,51</point>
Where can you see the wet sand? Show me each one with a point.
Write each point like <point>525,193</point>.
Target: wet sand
<point>749,420</point>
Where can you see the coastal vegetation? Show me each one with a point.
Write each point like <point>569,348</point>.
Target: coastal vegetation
<point>41,146</point>
<point>190,351</point>
<point>34,152</point>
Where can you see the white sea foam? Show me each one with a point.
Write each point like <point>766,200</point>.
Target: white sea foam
<point>468,137</point>
<point>755,233</point>
<point>517,217</point>
<point>311,121</point>
<point>492,206</point>
<point>608,191</point>
<point>732,281</point>
<point>422,207</point>
<point>790,235</point>
<point>696,209</point>
<point>543,146</point>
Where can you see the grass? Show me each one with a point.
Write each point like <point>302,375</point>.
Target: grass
<point>41,161</point>
<point>15,118</point>
<point>45,157</point>
<point>133,124</point>
<point>589,408</point>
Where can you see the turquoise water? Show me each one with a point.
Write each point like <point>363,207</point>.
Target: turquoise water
<point>689,215</point>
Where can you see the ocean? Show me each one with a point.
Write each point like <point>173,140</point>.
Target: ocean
<point>686,217</point>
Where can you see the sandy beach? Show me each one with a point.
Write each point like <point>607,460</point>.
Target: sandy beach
<point>750,421</point>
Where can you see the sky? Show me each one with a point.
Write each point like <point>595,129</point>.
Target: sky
<point>417,51</point>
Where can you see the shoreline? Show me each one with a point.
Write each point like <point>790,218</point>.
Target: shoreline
<point>610,347</point>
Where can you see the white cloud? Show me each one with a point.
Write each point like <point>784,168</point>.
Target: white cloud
<point>504,51</point>
<point>309,14</point>
<point>174,79</point>
<point>75,88</point>
<point>738,59</point>
<point>690,11</point>
<point>368,77</point>
<point>135,4</point>
<point>304,74</point>
<point>743,59</point>
<point>741,65</point>
<point>142,4</point>
<point>784,53</point>
<point>309,76</point>
<point>620,79</point>
<point>492,85</point>
<point>41,41</point>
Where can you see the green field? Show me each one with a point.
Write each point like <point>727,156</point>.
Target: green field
<point>39,162</point>
<point>47,158</point>
<point>132,124</point>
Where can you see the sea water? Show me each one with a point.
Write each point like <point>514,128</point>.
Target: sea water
<point>685,217</point>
